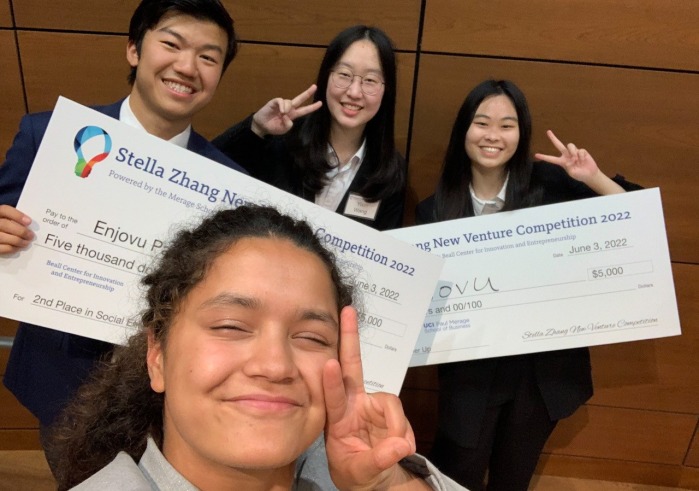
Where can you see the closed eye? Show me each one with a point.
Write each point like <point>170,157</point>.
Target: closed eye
<point>209,59</point>
<point>232,328</point>
<point>314,339</point>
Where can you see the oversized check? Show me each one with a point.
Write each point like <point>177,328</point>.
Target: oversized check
<point>97,231</point>
<point>583,273</point>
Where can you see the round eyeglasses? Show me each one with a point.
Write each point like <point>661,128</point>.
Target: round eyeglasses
<point>343,78</point>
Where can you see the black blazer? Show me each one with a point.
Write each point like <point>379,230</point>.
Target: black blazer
<point>270,160</point>
<point>46,366</point>
<point>564,377</point>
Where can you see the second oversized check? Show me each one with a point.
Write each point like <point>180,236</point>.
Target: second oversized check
<point>583,273</point>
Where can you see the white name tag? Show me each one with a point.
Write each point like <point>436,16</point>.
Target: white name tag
<point>359,207</point>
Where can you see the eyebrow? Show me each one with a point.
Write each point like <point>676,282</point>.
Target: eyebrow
<point>370,70</point>
<point>182,39</point>
<point>319,315</point>
<point>512,118</point>
<point>233,299</point>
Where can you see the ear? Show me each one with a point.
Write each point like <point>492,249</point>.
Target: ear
<point>155,361</point>
<point>132,54</point>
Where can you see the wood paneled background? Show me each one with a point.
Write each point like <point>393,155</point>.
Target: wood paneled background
<point>619,77</point>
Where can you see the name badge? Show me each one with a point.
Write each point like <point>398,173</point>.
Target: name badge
<point>359,207</point>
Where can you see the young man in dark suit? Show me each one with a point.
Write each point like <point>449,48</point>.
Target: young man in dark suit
<point>178,51</point>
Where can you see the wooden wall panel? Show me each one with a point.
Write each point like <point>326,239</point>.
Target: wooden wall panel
<point>18,427</point>
<point>624,117</point>
<point>671,476</point>
<point>11,97</point>
<point>13,414</point>
<point>689,479</point>
<point>25,470</point>
<point>318,21</point>
<point>693,454</point>
<point>657,374</point>
<point>19,439</point>
<point>5,15</point>
<point>641,425</point>
<point>250,82</point>
<point>626,437</point>
<point>302,22</point>
<point>4,355</point>
<point>7,328</point>
<point>90,69</point>
<point>75,15</point>
<point>245,87</point>
<point>616,32</point>
<point>624,434</point>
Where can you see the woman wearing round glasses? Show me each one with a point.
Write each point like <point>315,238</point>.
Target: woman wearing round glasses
<point>339,151</point>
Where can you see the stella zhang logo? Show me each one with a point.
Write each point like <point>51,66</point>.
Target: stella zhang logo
<point>102,145</point>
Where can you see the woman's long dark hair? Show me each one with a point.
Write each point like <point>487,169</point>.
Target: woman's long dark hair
<point>309,144</point>
<point>452,197</point>
<point>116,410</point>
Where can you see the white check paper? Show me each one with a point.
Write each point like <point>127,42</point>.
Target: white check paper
<point>583,273</point>
<point>96,236</point>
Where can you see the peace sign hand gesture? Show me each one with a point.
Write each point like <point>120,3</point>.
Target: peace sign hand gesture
<point>580,166</point>
<point>577,162</point>
<point>366,435</point>
<point>278,115</point>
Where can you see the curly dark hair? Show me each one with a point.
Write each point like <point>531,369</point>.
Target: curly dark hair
<point>116,409</point>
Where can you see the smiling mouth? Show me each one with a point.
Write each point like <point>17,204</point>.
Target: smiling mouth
<point>178,87</point>
<point>351,107</point>
<point>266,403</point>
